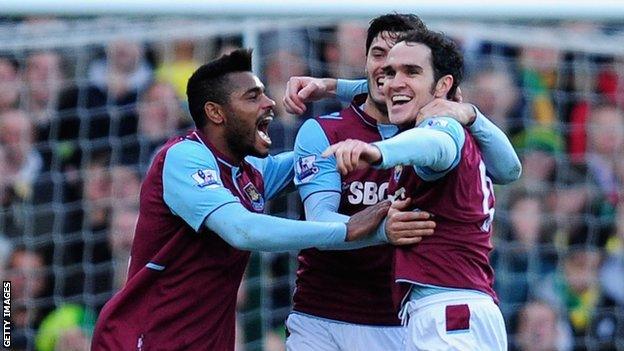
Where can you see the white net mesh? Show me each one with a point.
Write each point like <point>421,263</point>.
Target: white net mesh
<point>84,103</point>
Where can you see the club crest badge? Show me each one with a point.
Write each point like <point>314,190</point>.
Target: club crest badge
<point>305,168</point>
<point>257,201</point>
<point>206,178</point>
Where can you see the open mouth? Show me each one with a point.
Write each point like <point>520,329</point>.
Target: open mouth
<point>380,82</point>
<point>398,99</point>
<point>262,128</point>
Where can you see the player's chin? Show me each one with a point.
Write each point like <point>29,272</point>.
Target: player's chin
<point>261,148</point>
<point>398,117</point>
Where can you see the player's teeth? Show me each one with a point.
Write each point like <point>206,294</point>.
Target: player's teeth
<point>264,137</point>
<point>401,98</point>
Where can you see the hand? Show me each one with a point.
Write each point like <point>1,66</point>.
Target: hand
<point>464,113</point>
<point>407,227</point>
<point>366,221</point>
<point>300,90</point>
<point>352,154</point>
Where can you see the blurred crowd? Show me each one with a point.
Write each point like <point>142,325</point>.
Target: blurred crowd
<point>75,141</point>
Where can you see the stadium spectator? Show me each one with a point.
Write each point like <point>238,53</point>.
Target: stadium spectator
<point>176,70</point>
<point>21,166</point>
<point>23,161</point>
<point>575,292</point>
<point>540,148</point>
<point>29,287</point>
<point>66,328</point>
<point>105,108</point>
<point>539,328</point>
<point>123,72</point>
<point>123,222</point>
<point>525,253</point>
<point>612,268</point>
<point>345,59</point>
<point>605,128</point>
<point>43,80</point>
<point>11,84</point>
<point>159,115</point>
<point>538,80</point>
<point>84,249</point>
<point>190,188</point>
<point>496,94</point>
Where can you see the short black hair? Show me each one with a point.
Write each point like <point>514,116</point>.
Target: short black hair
<point>445,55</point>
<point>210,83</point>
<point>393,23</point>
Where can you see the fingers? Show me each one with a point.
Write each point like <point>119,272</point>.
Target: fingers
<point>307,91</point>
<point>410,226</point>
<point>348,154</point>
<point>382,209</point>
<point>292,102</point>
<point>401,204</point>
<point>298,92</point>
<point>330,150</point>
<point>408,240</point>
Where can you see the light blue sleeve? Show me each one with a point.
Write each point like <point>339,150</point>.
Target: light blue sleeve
<point>277,171</point>
<point>323,207</point>
<point>246,230</point>
<point>314,173</point>
<point>433,148</point>
<point>192,186</point>
<point>346,89</point>
<point>500,158</point>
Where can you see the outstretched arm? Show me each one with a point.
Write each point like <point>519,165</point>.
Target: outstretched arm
<point>433,149</point>
<point>246,230</point>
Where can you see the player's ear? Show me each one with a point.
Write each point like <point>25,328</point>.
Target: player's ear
<point>443,86</point>
<point>214,112</point>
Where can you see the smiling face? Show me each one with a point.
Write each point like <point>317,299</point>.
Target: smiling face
<point>248,113</point>
<point>375,60</point>
<point>409,81</point>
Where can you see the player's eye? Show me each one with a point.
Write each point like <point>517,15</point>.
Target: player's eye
<point>389,72</point>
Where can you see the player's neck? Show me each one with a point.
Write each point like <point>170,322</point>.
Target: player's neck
<point>371,109</point>
<point>219,142</point>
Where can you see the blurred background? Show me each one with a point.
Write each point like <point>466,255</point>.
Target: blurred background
<point>88,91</point>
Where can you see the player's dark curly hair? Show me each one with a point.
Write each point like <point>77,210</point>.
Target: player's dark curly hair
<point>210,82</point>
<point>445,55</point>
<point>393,23</point>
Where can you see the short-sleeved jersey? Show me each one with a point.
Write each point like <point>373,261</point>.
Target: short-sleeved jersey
<point>351,286</point>
<point>183,279</point>
<point>462,201</point>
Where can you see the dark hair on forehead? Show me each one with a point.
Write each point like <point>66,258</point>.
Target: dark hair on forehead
<point>394,23</point>
<point>210,82</point>
<point>445,55</point>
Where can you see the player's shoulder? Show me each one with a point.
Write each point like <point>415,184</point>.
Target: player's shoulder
<point>188,150</point>
<point>440,122</point>
<point>311,129</point>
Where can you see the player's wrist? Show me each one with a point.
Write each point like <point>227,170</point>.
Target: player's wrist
<point>471,113</point>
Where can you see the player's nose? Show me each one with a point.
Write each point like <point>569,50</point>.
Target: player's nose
<point>268,102</point>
